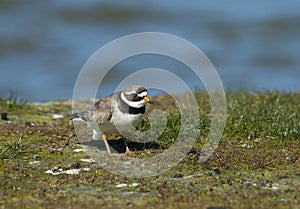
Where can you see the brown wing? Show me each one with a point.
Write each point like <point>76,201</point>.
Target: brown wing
<point>102,116</point>
<point>100,113</point>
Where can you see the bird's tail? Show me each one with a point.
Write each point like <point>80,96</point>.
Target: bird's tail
<point>79,115</point>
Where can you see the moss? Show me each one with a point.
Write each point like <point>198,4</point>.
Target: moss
<point>255,165</point>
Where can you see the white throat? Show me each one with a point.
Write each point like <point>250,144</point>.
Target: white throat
<point>136,104</point>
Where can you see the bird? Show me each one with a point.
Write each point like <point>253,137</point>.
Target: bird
<point>123,109</point>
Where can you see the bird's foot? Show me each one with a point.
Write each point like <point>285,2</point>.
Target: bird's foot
<point>127,152</point>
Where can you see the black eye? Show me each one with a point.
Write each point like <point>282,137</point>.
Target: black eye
<point>140,90</point>
<point>137,98</point>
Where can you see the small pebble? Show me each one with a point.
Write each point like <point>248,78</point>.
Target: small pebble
<point>121,185</point>
<point>36,156</point>
<point>75,165</point>
<point>30,124</point>
<point>178,175</point>
<point>4,116</point>
<point>78,150</point>
<point>57,116</point>
<point>57,171</point>
<point>217,170</point>
<point>193,151</point>
<point>72,171</point>
<point>126,185</point>
<point>134,184</point>
<point>34,162</point>
<point>87,160</point>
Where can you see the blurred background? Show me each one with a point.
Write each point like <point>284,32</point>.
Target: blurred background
<point>254,45</point>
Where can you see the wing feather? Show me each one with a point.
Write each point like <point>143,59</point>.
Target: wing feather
<point>100,113</point>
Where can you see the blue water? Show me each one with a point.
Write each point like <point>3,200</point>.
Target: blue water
<point>254,45</point>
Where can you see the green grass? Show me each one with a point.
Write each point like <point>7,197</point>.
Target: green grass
<point>256,164</point>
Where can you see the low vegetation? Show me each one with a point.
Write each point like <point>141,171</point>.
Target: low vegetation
<point>256,164</point>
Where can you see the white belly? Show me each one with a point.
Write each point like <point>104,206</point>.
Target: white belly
<point>122,121</point>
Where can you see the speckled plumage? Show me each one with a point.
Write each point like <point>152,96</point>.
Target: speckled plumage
<point>123,109</point>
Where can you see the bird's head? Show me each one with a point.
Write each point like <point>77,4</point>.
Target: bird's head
<point>135,96</point>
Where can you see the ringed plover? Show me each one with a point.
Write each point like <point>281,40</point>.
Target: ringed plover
<point>122,109</point>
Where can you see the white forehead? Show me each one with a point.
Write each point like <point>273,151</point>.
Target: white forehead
<point>130,92</point>
<point>143,94</point>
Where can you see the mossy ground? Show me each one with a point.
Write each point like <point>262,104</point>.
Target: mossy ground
<point>256,165</point>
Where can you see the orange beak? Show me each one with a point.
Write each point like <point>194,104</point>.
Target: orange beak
<point>147,100</point>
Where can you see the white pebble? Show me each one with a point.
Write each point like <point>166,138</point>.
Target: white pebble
<point>121,185</point>
<point>87,160</point>
<point>78,150</point>
<point>57,116</point>
<point>134,184</point>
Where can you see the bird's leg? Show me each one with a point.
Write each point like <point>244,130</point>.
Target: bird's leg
<point>96,136</point>
<point>104,137</point>
<point>127,152</point>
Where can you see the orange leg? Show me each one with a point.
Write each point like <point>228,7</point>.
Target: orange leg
<point>127,152</point>
<point>104,137</point>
